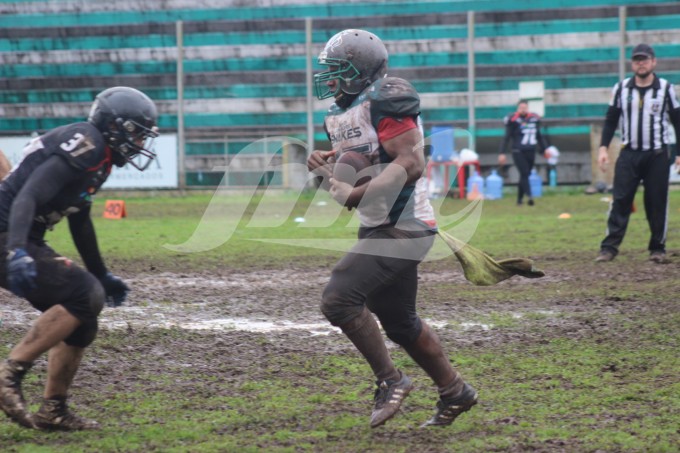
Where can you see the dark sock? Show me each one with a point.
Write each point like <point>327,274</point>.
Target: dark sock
<point>55,400</point>
<point>428,353</point>
<point>53,405</point>
<point>365,334</point>
<point>453,389</point>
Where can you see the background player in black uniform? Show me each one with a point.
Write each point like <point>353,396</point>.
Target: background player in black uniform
<point>377,116</point>
<point>57,176</point>
<point>523,133</point>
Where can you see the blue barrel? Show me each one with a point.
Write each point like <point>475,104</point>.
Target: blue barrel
<point>494,186</point>
<point>536,184</point>
<point>475,180</point>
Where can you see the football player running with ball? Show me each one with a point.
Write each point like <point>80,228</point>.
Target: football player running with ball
<point>378,116</point>
<point>56,178</point>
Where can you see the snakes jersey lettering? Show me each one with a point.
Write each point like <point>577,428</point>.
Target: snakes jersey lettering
<point>346,134</point>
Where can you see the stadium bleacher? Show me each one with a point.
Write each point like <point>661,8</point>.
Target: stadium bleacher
<point>245,65</point>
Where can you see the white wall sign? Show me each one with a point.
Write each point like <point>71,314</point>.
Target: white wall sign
<point>13,146</point>
<point>161,174</point>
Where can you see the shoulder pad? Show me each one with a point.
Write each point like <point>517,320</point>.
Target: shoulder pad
<point>81,144</point>
<point>392,97</point>
<point>334,109</point>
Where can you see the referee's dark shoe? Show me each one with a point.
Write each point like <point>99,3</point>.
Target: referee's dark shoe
<point>604,256</point>
<point>658,257</point>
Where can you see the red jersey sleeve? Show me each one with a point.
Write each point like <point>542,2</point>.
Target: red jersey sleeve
<point>391,127</point>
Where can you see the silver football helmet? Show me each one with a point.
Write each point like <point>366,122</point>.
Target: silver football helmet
<point>355,58</point>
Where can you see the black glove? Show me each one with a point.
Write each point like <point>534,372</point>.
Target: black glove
<point>21,272</point>
<point>115,288</point>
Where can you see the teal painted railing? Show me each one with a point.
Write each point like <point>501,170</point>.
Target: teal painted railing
<point>284,90</point>
<point>298,63</point>
<point>297,11</point>
<point>298,119</point>
<point>289,37</point>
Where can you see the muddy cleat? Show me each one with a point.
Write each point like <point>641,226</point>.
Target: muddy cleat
<point>388,398</point>
<point>54,414</point>
<point>11,398</point>
<point>449,409</point>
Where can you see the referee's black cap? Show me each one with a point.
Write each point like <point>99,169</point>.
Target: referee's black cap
<point>643,50</point>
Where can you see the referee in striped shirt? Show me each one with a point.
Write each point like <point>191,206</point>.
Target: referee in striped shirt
<point>642,105</point>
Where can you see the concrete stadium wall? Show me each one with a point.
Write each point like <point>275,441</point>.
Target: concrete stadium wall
<point>245,60</point>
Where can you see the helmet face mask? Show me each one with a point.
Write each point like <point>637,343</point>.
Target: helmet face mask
<point>355,59</point>
<point>127,120</point>
<point>134,142</point>
<point>341,70</point>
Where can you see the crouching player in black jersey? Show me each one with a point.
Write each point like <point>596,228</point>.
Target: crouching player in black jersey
<point>57,176</point>
<point>378,117</point>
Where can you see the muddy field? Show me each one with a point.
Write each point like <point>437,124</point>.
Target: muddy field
<point>284,303</point>
<point>242,327</point>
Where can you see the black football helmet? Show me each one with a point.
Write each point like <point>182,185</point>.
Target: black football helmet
<point>356,58</point>
<point>126,117</point>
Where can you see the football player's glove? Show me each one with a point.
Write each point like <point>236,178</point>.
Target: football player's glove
<point>115,288</point>
<point>21,272</point>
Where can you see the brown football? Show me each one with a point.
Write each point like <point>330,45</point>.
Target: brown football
<point>349,165</point>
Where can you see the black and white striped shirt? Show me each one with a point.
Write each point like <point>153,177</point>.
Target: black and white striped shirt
<point>642,114</point>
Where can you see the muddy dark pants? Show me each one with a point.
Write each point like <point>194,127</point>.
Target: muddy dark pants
<point>652,168</point>
<point>381,273</point>
<point>524,161</point>
<point>62,282</point>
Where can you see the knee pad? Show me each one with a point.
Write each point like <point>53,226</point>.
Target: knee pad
<point>338,308</point>
<point>84,335</point>
<point>404,335</point>
<point>86,306</point>
<point>86,298</point>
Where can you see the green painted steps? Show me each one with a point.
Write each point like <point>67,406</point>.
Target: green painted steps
<point>387,8</point>
<point>433,59</point>
<point>432,32</point>
<point>299,119</point>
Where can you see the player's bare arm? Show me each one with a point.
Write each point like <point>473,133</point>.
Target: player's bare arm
<point>409,162</point>
<point>319,164</point>
<point>603,158</point>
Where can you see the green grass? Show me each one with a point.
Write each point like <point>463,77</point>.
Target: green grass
<point>582,366</point>
<point>505,229</point>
